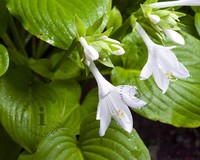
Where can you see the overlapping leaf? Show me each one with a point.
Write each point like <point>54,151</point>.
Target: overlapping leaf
<point>180,106</point>
<point>31,110</point>
<point>53,20</point>
<point>116,144</point>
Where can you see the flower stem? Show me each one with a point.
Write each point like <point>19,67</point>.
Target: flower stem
<point>41,48</point>
<point>8,41</point>
<point>103,85</point>
<point>64,57</point>
<point>175,3</point>
<point>143,34</point>
<point>16,35</point>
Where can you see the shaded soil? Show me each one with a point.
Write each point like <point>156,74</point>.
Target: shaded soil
<point>166,142</point>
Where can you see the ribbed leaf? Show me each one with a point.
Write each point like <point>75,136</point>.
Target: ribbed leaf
<point>31,110</point>
<point>53,20</point>
<point>180,106</point>
<point>116,144</point>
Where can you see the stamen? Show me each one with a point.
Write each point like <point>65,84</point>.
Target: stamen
<point>121,114</point>
<point>169,75</point>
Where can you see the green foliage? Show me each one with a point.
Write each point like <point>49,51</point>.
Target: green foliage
<point>53,20</point>
<point>35,110</point>
<point>89,145</point>
<point>80,27</point>
<point>197,22</point>
<point>135,56</point>
<point>24,99</point>
<point>115,19</point>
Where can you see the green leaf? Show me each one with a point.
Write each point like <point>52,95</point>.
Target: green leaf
<point>116,144</point>
<point>135,49</point>
<point>90,102</point>
<point>77,59</point>
<point>189,25</point>
<point>115,19</point>
<point>94,28</point>
<point>76,114</point>
<point>195,8</point>
<point>31,110</point>
<point>42,66</point>
<point>9,150</point>
<point>80,27</point>
<point>53,20</point>
<point>68,69</point>
<point>17,58</point>
<point>3,17</point>
<point>180,106</point>
<point>197,22</point>
<point>4,60</point>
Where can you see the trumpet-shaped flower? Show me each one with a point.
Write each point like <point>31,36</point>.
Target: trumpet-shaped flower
<point>175,3</point>
<point>162,63</point>
<point>114,102</point>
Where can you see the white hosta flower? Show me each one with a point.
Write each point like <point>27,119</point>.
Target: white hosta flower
<point>118,49</point>
<point>90,53</point>
<point>154,18</point>
<point>174,36</point>
<point>114,102</point>
<point>175,3</point>
<point>162,63</point>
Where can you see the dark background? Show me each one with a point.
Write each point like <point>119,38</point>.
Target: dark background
<point>166,142</point>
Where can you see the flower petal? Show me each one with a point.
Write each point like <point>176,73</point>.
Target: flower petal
<point>120,111</point>
<point>165,54</point>
<point>161,80</point>
<point>130,96</point>
<point>105,116</point>
<point>147,71</point>
<point>98,115</point>
<point>181,71</point>
<point>166,60</point>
